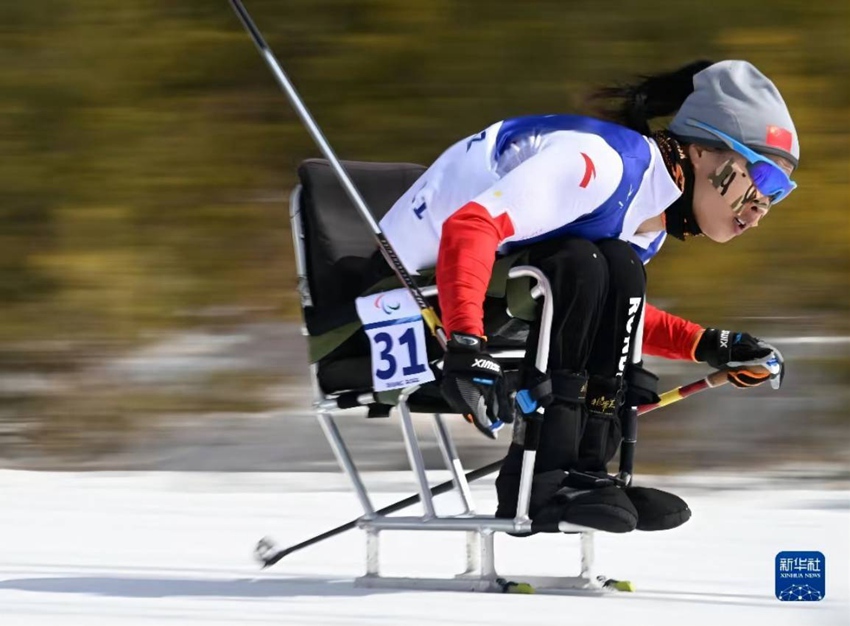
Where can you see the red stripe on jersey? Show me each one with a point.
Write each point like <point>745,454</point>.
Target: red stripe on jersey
<point>589,171</point>
<point>468,246</point>
<point>669,336</point>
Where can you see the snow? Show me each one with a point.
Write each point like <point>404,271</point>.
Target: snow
<point>175,548</point>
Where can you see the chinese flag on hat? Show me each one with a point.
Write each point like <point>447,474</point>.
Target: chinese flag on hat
<point>779,138</point>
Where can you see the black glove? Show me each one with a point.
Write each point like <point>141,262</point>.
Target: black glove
<point>473,384</point>
<point>739,353</point>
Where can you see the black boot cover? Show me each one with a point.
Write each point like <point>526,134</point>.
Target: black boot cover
<point>558,495</point>
<point>560,433</point>
<point>656,509</point>
<point>583,499</point>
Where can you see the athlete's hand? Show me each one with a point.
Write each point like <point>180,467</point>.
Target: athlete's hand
<point>749,360</point>
<point>473,385</point>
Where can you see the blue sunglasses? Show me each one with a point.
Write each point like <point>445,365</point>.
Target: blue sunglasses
<point>770,179</point>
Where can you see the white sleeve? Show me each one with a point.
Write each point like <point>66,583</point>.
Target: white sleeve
<point>573,175</point>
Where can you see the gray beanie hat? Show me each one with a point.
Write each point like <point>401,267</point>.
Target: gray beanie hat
<point>737,99</point>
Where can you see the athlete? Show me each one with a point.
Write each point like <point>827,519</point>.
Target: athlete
<point>589,202</point>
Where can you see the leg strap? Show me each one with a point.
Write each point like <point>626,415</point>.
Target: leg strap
<point>641,386</point>
<point>562,386</point>
<point>538,392</point>
<point>569,387</point>
<point>603,432</point>
<point>604,395</point>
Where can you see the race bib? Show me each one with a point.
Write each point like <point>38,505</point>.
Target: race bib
<point>393,323</point>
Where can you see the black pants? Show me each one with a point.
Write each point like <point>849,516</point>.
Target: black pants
<point>594,287</point>
<point>597,290</point>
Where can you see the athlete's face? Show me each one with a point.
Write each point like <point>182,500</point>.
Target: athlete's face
<point>726,203</point>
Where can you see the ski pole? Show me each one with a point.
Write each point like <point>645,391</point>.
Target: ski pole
<point>717,378</point>
<point>428,312</point>
<point>268,554</point>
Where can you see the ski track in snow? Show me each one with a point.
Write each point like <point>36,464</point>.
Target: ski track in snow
<point>124,549</point>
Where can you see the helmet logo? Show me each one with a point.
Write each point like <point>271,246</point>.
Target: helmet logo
<point>778,137</point>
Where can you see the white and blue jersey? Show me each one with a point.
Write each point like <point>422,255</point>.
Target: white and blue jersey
<point>551,176</point>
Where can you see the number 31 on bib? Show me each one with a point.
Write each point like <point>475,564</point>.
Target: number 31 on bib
<point>393,324</point>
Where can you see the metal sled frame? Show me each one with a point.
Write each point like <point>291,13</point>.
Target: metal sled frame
<point>480,573</point>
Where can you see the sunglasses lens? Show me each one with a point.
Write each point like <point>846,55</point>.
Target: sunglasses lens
<point>770,180</point>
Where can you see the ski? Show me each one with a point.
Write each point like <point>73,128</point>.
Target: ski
<point>616,585</point>
<point>510,586</point>
<point>606,584</point>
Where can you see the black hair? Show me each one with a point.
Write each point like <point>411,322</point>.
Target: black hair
<point>657,95</point>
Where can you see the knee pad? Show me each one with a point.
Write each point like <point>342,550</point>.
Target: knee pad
<point>575,266</point>
<point>626,270</point>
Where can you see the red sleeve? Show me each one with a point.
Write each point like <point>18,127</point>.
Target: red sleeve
<point>669,336</point>
<point>468,246</point>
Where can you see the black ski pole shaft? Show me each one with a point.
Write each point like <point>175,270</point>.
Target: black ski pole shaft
<point>429,315</point>
<point>392,508</point>
<point>629,424</point>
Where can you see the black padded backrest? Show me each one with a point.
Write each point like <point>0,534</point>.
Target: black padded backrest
<point>337,240</point>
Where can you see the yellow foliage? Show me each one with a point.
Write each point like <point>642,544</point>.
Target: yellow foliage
<point>148,152</point>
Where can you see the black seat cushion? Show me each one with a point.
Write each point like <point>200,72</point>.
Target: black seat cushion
<point>355,374</point>
<point>352,373</point>
<point>349,367</point>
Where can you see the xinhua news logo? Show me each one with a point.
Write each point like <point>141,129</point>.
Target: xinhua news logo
<point>800,576</point>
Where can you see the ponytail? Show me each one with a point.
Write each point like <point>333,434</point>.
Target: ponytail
<point>655,96</point>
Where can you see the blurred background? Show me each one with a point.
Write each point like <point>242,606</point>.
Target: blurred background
<point>149,316</point>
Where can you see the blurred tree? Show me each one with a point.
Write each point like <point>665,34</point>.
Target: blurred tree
<point>148,152</point>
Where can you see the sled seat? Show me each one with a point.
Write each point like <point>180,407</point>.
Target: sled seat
<point>333,247</point>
